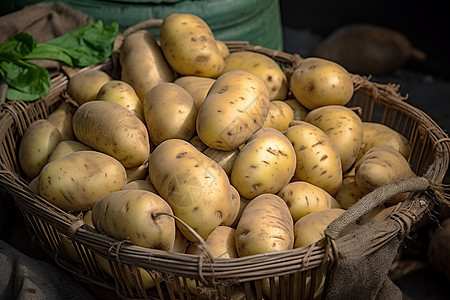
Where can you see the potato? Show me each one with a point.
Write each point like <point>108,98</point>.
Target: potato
<point>318,160</point>
<point>299,110</point>
<point>196,86</point>
<point>243,202</point>
<point>318,82</point>
<point>84,86</point>
<point>79,179</point>
<point>133,215</point>
<point>221,243</point>
<point>38,142</point>
<point>235,205</point>
<point>143,63</point>
<point>265,226</point>
<point>61,118</point>
<point>195,186</point>
<point>381,165</point>
<point>140,184</point>
<point>169,99</point>
<point>311,228</point>
<point>280,115</point>
<point>137,173</point>
<point>303,198</point>
<point>236,106</point>
<point>111,128</point>
<point>380,134</point>
<point>181,242</point>
<point>66,147</point>
<point>264,67</point>
<point>122,93</point>
<point>264,165</point>
<point>189,45</point>
<point>343,126</point>
<point>223,48</point>
<point>348,194</point>
<point>225,159</point>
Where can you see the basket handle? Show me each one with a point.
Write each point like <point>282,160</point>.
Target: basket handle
<point>376,198</point>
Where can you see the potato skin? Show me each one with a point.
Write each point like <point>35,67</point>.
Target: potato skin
<point>78,180</point>
<point>343,126</point>
<point>280,115</point>
<point>318,160</point>
<point>195,186</point>
<point>169,99</point>
<point>61,118</point>
<point>84,87</point>
<point>318,82</point>
<point>221,243</point>
<point>143,63</point>
<point>65,147</point>
<point>189,46</point>
<point>197,86</point>
<point>264,165</point>
<point>38,142</point>
<point>111,128</point>
<point>236,106</point>
<point>130,214</point>
<point>265,226</point>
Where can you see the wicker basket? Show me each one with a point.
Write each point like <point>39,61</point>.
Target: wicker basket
<point>286,275</point>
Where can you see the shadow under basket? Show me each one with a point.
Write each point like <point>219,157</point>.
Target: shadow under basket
<point>140,273</point>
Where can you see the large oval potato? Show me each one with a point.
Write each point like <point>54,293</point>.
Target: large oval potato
<point>84,86</point>
<point>195,186</point>
<point>133,215</point>
<point>197,86</point>
<point>111,128</point>
<point>262,66</point>
<point>265,226</point>
<point>343,126</point>
<point>318,160</point>
<point>317,82</point>
<point>143,63</point>
<point>189,45</point>
<point>265,164</point>
<point>169,99</point>
<point>303,198</point>
<point>122,93</point>
<point>78,180</point>
<point>236,106</point>
<point>38,142</point>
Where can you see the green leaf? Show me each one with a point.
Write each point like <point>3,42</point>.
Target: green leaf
<point>17,47</point>
<point>25,80</point>
<point>45,51</point>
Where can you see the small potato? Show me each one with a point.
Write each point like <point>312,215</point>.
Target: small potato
<point>264,67</point>
<point>236,106</point>
<point>61,118</point>
<point>181,242</point>
<point>221,243</point>
<point>84,87</point>
<point>189,45</point>
<point>265,226</point>
<point>235,205</point>
<point>225,159</point>
<point>169,99</point>
<point>299,110</point>
<point>122,93</point>
<point>318,160</point>
<point>348,194</point>
<point>311,228</point>
<point>66,147</point>
<point>303,198</point>
<point>197,86</point>
<point>140,184</point>
<point>143,63</point>
<point>133,215</point>
<point>343,126</point>
<point>111,128</point>
<point>318,82</point>
<point>137,173</point>
<point>243,202</point>
<point>380,134</point>
<point>280,115</point>
<point>79,179</point>
<point>38,142</point>
<point>264,165</point>
<point>223,48</point>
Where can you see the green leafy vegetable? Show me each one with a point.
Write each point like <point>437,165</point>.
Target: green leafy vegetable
<point>89,45</point>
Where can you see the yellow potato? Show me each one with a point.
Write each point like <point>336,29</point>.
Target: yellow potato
<point>189,45</point>
<point>143,63</point>
<point>235,205</point>
<point>140,184</point>
<point>79,179</point>
<point>84,86</point>
<point>38,142</point>
<point>169,99</point>
<point>299,110</point>
<point>264,67</point>
<point>61,118</point>
<point>137,173</point>
<point>236,106</point>
<point>196,86</point>
<point>221,243</point>
<point>66,147</point>
<point>224,158</point>
<point>280,115</point>
<point>122,93</point>
<point>348,194</point>
<point>223,48</point>
<point>318,82</point>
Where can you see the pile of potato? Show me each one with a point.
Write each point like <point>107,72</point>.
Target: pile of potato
<point>194,142</point>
